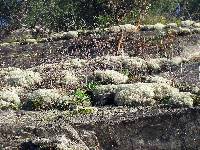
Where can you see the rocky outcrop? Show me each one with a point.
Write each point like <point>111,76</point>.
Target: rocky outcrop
<point>108,128</point>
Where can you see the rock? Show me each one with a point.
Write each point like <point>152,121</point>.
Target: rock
<point>110,77</point>
<point>9,99</point>
<point>43,99</point>
<point>187,23</point>
<point>18,77</point>
<point>112,128</point>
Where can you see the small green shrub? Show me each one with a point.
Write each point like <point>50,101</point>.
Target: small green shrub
<point>81,97</point>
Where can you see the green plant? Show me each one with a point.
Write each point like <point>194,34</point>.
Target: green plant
<point>81,96</point>
<point>92,86</point>
<point>125,72</point>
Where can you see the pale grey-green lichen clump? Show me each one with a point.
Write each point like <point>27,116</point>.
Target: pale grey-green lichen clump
<point>187,23</point>
<point>68,78</point>
<point>158,79</point>
<point>126,28</point>
<point>135,96</point>
<point>43,99</point>
<point>158,63</point>
<point>142,94</point>
<point>159,26</point>
<point>18,77</point>
<point>135,63</point>
<point>9,99</point>
<point>74,63</point>
<point>110,76</point>
<point>180,99</point>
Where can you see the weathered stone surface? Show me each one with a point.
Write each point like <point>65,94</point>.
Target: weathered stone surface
<point>124,128</point>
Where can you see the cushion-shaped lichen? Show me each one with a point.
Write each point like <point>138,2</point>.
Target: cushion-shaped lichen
<point>43,99</point>
<point>68,78</point>
<point>110,76</point>
<point>18,77</point>
<point>9,99</point>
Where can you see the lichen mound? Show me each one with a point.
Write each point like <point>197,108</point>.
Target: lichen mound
<point>180,99</point>
<point>141,94</point>
<point>110,76</point>
<point>43,99</point>
<point>9,99</point>
<point>18,77</point>
<point>187,23</point>
<point>159,26</point>
<point>68,78</point>
<point>158,79</point>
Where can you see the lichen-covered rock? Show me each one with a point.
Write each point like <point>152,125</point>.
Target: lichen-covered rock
<point>179,99</point>
<point>69,102</point>
<point>4,44</point>
<point>9,99</point>
<point>43,99</point>
<point>141,94</point>
<point>159,26</point>
<point>18,77</point>
<point>110,77</point>
<point>187,23</point>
